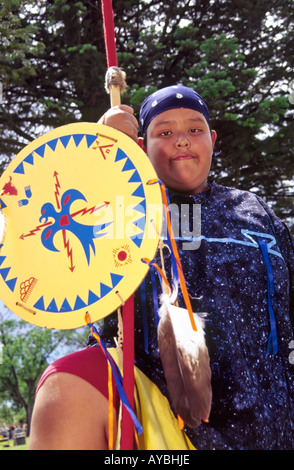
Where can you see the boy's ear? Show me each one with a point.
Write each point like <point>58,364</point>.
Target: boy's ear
<point>213,137</point>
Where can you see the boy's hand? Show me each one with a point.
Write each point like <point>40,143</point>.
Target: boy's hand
<point>122,118</point>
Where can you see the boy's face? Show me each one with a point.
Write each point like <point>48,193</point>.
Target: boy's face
<point>180,146</point>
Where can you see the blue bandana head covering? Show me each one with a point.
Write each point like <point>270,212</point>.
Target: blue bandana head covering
<point>178,96</point>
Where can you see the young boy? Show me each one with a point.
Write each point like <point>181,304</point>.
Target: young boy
<point>241,275</point>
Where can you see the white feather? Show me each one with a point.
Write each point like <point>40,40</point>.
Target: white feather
<point>185,361</point>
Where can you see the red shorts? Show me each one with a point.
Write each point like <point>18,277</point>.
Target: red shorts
<point>89,364</point>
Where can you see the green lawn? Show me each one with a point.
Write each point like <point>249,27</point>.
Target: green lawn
<point>13,447</point>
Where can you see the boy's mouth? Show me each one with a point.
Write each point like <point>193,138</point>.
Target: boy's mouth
<point>183,157</point>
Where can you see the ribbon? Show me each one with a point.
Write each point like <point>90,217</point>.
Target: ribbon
<point>162,275</point>
<point>270,298</point>
<point>127,426</point>
<point>174,250</point>
<point>110,409</point>
<point>155,295</point>
<point>116,374</point>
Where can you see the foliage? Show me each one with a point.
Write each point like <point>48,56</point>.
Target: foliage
<point>27,351</point>
<point>238,55</point>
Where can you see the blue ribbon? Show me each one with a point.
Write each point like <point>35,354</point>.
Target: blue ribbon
<point>119,383</point>
<point>270,298</point>
<point>144,305</point>
<point>154,293</point>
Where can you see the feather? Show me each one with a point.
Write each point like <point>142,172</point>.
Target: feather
<point>115,76</point>
<point>115,84</point>
<point>185,361</point>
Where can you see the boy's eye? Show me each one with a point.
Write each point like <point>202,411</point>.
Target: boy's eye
<point>193,130</point>
<point>165,133</point>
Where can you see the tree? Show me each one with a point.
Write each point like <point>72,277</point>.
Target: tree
<point>43,64</point>
<point>26,352</point>
<point>244,81</point>
<point>239,55</point>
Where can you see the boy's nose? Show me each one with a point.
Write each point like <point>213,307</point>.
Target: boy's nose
<point>182,140</point>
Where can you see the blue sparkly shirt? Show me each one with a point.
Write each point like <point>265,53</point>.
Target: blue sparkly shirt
<point>239,269</point>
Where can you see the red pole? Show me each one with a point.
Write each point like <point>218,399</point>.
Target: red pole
<point>109,35</point>
<point>127,428</point>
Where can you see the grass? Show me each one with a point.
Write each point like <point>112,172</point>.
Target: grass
<point>13,447</point>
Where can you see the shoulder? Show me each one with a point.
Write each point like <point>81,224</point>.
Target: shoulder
<point>80,363</point>
<point>71,406</point>
<point>250,206</point>
<point>231,192</point>
<point>68,414</point>
<point>247,200</point>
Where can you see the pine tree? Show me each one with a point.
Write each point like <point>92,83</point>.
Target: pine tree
<point>238,55</point>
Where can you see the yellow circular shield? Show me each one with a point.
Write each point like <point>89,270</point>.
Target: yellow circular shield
<point>80,217</point>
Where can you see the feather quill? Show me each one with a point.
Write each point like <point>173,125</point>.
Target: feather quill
<point>185,361</point>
